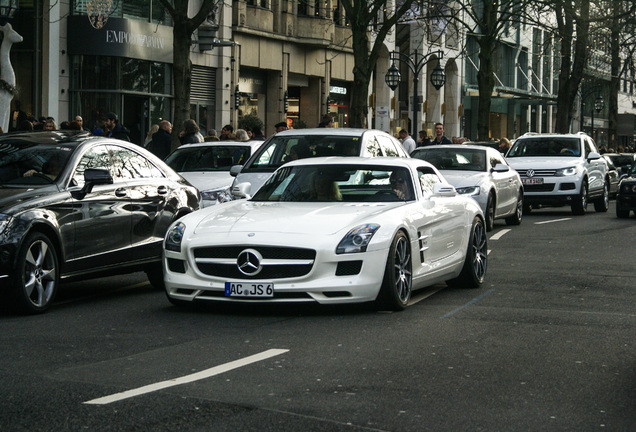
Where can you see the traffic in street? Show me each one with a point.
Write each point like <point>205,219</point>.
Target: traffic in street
<point>547,343</point>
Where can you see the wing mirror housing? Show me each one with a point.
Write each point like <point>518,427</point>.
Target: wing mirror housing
<point>593,156</point>
<point>242,190</point>
<point>93,177</point>
<point>235,170</point>
<point>501,168</point>
<point>444,190</point>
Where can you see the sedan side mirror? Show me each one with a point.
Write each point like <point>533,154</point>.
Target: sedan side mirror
<point>501,168</point>
<point>444,190</point>
<point>92,177</point>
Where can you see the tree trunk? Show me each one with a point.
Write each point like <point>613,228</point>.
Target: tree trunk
<point>615,82</point>
<point>182,70</point>
<point>361,79</point>
<point>486,83</point>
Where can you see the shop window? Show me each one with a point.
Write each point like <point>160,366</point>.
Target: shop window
<point>160,78</point>
<point>95,72</point>
<point>141,10</point>
<point>135,75</point>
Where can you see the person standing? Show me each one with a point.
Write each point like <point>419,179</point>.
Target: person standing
<point>423,139</point>
<point>114,129</point>
<point>226,132</point>
<point>80,120</point>
<point>440,138</point>
<point>161,142</point>
<point>326,122</point>
<point>190,133</point>
<point>280,126</point>
<point>407,142</point>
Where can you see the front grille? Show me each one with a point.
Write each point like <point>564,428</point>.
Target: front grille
<point>277,262</point>
<point>537,172</point>
<point>546,187</point>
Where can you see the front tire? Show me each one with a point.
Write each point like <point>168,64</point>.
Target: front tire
<point>154,273</point>
<point>36,278</point>
<point>579,206</point>
<point>474,271</point>
<point>490,212</point>
<point>601,205</point>
<point>395,292</point>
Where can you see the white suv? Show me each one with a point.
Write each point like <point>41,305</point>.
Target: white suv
<point>560,169</point>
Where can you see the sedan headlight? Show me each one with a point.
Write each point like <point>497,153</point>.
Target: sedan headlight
<point>357,239</point>
<point>174,237</point>
<point>470,190</point>
<point>566,171</point>
<point>4,221</point>
<point>224,196</point>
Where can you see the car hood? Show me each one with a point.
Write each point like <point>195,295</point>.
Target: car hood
<point>287,218</point>
<point>463,178</point>
<point>12,197</point>
<point>547,162</point>
<point>205,181</point>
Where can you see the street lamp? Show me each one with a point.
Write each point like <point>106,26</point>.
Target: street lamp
<point>7,10</point>
<point>599,104</point>
<point>415,62</point>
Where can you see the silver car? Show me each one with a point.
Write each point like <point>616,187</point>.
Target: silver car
<point>484,174</point>
<point>304,143</point>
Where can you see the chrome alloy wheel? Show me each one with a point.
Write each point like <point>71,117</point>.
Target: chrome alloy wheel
<point>403,270</point>
<point>40,273</point>
<point>480,251</point>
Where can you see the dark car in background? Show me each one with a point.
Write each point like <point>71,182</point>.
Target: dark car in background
<point>626,197</point>
<point>74,206</point>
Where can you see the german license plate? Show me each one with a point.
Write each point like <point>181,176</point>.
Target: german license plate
<point>249,289</point>
<point>532,181</point>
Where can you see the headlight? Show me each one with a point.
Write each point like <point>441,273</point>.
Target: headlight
<point>357,239</point>
<point>628,187</point>
<point>566,171</point>
<point>471,190</point>
<point>224,196</point>
<point>210,195</point>
<point>4,221</point>
<point>174,237</point>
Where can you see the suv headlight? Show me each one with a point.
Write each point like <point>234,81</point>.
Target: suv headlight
<point>357,239</point>
<point>470,190</point>
<point>174,237</point>
<point>566,171</point>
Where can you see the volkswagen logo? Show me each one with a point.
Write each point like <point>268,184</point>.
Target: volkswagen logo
<point>530,173</point>
<point>249,262</point>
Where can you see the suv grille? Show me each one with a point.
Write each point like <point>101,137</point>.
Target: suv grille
<point>277,262</point>
<point>537,172</point>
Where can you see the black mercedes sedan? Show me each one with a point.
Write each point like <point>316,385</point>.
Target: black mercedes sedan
<point>76,206</point>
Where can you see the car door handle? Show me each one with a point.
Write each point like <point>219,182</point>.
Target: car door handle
<point>162,190</point>
<point>121,192</point>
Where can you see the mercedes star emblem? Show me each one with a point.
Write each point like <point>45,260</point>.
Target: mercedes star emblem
<point>249,262</point>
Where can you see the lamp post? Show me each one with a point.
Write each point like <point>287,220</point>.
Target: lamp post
<point>7,10</point>
<point>415,62</point>
<point>599,104</point>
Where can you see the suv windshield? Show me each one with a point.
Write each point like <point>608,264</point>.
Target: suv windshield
<point>282,149</point>
<point>24,163</point>
<point>546,146</point>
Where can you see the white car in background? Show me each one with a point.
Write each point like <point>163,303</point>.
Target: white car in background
<point>207,165</point>
<point>482,173</point>
<point>330,230</point>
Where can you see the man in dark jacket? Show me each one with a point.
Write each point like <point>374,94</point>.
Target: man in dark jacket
<point>114,129</point>
<point>161,140</point>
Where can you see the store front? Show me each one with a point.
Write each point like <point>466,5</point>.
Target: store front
<point>339,100</point>
<point>252,93</point>
<point>123,68</point>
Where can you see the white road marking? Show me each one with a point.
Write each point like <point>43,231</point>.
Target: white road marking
<point>499,234</point>
<point>552,221</point>
<point>188,378</point>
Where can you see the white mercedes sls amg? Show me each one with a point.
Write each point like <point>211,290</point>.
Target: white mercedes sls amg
<point>330,230</point>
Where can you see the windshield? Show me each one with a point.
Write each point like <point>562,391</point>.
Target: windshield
<point>24,163</point>
<point>545,146</point>
<point>208,158</point>
<point>453,159</point>
<point>334,183</point>
<point>282,149</point>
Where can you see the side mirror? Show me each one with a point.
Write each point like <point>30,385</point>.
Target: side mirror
<point>242,190</point>
<point>501,168</point>
<point>593,156</point>
<point>235,170</point>
<point>444,190</point>
<point>92,177</point>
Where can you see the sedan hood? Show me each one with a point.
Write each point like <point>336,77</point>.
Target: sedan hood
<point>286,218</point>
<point>10,197</point>
<point>208,181</point>
<point>548,162</point>
<point>463,178</point>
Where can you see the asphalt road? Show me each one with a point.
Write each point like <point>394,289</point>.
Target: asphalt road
<point>547,344</point>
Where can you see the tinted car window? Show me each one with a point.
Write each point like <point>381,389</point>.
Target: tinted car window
<point>282,149</point>
<point>388,146</point>
<point>95,157</point>
<point>212,158</point>
<point>428,179</point>
<point>128,164</point>
<point>22,162</point>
